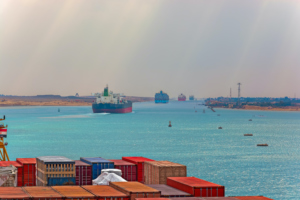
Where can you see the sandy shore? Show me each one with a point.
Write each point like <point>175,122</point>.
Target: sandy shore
<point>287,108</point>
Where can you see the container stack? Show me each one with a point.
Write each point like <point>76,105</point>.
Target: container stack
<point>29,171</point>
<point>169,192</point>
<point>38,193</point>
<point>135,190</point>
<point>139,161</point>
<point>105,192</point>
<point>19,170</point>
<point>97,165</point>
<point>157,172</point>
<point>83,173</point>
<point>129,170</point>
<point>74,192</point>
<point>196,187</point>
<point>55,170</point>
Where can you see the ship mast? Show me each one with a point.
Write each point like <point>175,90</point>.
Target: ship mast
<point>3,133</point>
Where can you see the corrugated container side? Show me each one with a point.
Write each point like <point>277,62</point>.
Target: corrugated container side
<point>29,171</point>
<point>139,161</point>
<point>97,165</point>
<point>218,198</point>
<point>105,192</point>
<point>188,198</point>
<point>45,193</point>
<point>169,192</point>
<point>252,198</point>
<point>74,192</point>
<point>13,193</point>
<point>152,199</point>
<point>129,170</point>
<point>157,172</point>
<point>83,173</point>
<point>196,187</point>
<point>54,181</point>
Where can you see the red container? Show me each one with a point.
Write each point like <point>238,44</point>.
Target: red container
<point>169,192</point>
<point>128,169</point>
<point>19,168</point>
<point>45,193</point>
<point>218,198</point>
<point>83,173</point>
<point>139,161</point>
<point>13,193</point>
<point>105,192</point>
<point>197,187</point>
<point>253,198</point>
<point>29,171</point>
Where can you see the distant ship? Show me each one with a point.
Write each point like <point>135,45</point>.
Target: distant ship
<point>181,97</point>
<point>191,98</point>
<point>108,102</point>
<point>161,97</point>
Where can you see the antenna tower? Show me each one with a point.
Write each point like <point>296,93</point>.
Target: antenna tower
<point>239,94</point>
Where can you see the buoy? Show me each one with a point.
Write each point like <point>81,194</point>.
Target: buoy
<point>195,110</point>
<point>218,114</point>
<point>250,120</point>
<point>248,134</point>
<point>220,127</point>
<point>58,110</point>
<point>170,125</point>
<point>262,145</point>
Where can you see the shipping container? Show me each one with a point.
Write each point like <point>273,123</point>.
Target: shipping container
<point>54,167</point>
<point>218,198</point>
<point>157,172</point>
<point>60,181</point>
<point>129,170</point>
<point>105,192</point>
<point>187,198</point>
<point>83,173</point>
<point>74,192</point>
<point>97,165</point>
<point>45,193</point>
<point>152,199</point>
<point>135,190</point>
<point>252,198</point>
<point>29,171</point>
<point>168,191</point>
<point>139,161</point>
<point>13,193</point>
<point>19,168</point>
<point>196,187</point>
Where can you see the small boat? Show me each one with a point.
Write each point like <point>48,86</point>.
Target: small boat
<point>58,110</point>
<point>203,111</point>
<point>248,134</point>
<point>195,110</point>
<point>262,145</point>
<point>250,120</point>
<point>220,127</point>
<point>218,114</point>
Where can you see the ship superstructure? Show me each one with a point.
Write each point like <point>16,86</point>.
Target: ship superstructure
<point>109,102</point>
<point>191,98</point>
<point>161,97</point>
<point>181,97</point>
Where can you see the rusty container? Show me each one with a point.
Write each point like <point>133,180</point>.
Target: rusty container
<point>105,192</point>
<point>139,161</point>
<point>15,193</point>
<point>169,192</point>
<point>29,171</point>
<point>74,192</point>
<point>196,187</point>
<point>129,170</point>
<point>53,168</point>
<point>39,193</point>
<point>135,190</point>
<point>157,172</point>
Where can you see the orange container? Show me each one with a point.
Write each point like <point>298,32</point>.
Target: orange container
<point>157,172</point>
<point>38,193</point>
<point>105,192</point>
<point>74,192</point>
<point>139,161</point>
<point>13,193</point>
<point>29,171</point>
<point>196,187</point>
<point>135,190</point>
<point>19,168</point>
<point>253,198</point>
<point>152,199</point>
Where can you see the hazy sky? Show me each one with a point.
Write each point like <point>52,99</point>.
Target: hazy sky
<point>138,47</point>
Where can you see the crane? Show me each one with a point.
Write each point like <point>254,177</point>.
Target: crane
<point>3,134</point>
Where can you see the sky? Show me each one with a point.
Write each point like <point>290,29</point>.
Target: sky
<point>139,47</point>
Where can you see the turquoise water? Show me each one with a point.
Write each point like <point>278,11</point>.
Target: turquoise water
<point>222,156</point>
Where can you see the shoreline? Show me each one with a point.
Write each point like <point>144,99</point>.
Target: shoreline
<point>258,108</point>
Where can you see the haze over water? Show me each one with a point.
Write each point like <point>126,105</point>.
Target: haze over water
<point>224,156</point>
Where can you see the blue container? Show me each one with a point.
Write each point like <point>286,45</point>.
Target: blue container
<point>97,165</point>
<point>53,181</point>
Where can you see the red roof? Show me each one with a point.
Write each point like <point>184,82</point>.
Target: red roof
<point>8,163</point>
<point>121,162</point>
<point>137,159</point>
<point>26,160</point>
<point>193,181</point>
